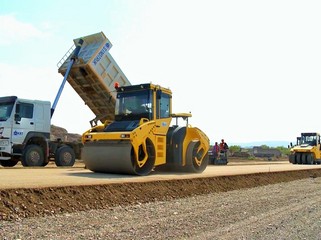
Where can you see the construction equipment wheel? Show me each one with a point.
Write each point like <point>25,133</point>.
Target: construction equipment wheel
<point>149,165</point>
<point>33,155</point>
<point>298,158</point>
<point>292,159</point>
<point>194,161</point>
<point>304,158</point>
<point>9,163</point>
<point>310,159</point>
<point>65,156</point>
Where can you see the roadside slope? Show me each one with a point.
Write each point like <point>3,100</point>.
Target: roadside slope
<point>31,202</point>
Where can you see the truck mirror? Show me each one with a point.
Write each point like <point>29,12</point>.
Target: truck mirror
<point>17,117</point>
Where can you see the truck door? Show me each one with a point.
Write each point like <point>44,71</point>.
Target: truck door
<point>23,122</point>
<point>41,116</point>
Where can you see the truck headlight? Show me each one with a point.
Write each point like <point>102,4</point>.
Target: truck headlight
<point>4,142</point>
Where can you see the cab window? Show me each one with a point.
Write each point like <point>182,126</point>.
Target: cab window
<point>25,110</point>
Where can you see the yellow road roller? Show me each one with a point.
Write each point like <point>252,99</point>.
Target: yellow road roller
<point>141,139</point>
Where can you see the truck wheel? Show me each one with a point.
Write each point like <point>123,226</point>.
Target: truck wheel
<point>65,156</point>
<point>8,163</point>
<point>32,156</point>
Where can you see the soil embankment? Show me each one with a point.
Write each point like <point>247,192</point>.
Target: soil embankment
<point>41,201</point>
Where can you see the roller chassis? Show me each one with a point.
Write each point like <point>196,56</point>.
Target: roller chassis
<point>303,158</point>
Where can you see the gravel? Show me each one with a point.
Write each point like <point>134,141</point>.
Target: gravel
<point>280,211</point>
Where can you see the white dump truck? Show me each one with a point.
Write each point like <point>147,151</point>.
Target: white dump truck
<point>25,135</point>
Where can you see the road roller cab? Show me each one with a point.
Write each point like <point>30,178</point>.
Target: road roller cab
<point>141,138</point>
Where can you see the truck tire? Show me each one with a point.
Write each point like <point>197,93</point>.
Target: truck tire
<point>8,163</point>
<point>33,155</point>
<point>65,156</point>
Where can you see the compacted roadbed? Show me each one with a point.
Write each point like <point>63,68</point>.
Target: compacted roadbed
<point>221,203</point>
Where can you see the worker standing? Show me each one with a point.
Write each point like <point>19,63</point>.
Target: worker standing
<point>223,149</point>
<point>215,151</point>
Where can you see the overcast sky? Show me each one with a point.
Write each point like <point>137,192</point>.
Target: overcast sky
<point>246,70</point>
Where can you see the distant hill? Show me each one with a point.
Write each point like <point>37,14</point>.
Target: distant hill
<point>59,132</point>
<point>260,143</point>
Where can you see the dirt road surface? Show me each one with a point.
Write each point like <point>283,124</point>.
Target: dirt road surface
<point>74,203</point>
<point>51,176</point>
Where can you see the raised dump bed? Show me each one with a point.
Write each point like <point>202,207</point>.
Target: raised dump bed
<point>94,74</point>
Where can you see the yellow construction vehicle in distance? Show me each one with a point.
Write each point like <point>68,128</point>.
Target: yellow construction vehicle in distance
<point>307,150</point>
<point>141,139</point>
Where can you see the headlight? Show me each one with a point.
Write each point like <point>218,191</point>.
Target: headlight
<point>4,142</point>
<point>88,136</point>
<point>124,136</point>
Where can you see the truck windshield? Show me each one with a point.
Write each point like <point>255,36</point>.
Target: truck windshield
<point>133,105</point>
<point>5,110</point>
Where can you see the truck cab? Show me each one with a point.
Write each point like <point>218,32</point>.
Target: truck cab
<point>22,122</point>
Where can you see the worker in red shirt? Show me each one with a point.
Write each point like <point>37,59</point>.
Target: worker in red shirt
<point>223,148</point>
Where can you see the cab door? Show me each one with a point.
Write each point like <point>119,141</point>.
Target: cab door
<point>23,122</point>
<point>163,120</point>
<point>163,112</point>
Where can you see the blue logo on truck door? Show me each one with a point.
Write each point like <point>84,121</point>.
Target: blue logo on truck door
<point>17,133</point>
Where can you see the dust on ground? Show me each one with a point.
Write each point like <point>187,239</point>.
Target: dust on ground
<point>32,202</point>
